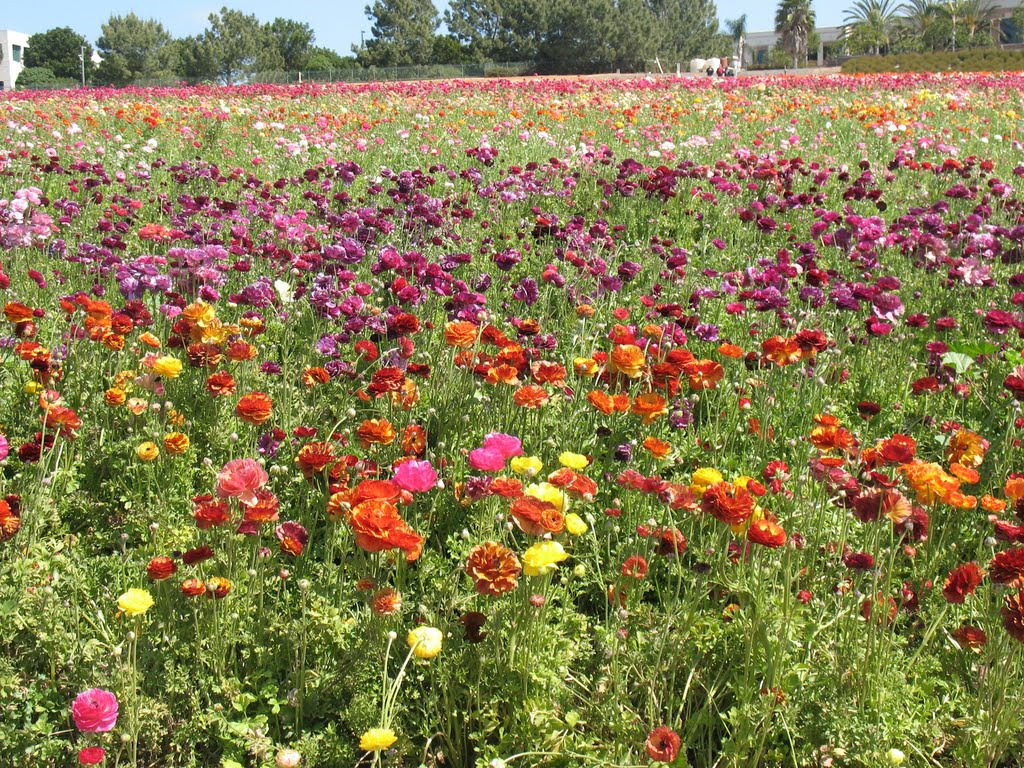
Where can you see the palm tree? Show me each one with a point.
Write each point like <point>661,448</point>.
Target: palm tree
<point>794,21</point>
<point>738,31</point>
<point>921,16</point>
<point>970,14</point>
<point>871,22</point>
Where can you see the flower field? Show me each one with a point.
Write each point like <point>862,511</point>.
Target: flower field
<point>542,423</point>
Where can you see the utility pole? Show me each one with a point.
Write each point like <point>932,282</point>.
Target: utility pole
<point>362,45</point>
<point>82,57</point>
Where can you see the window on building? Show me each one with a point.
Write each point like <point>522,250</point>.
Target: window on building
<point>16,53</point>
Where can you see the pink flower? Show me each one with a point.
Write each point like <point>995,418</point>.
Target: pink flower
<point>241,478</point>
<point>4,447</point>
<point>486,459</point>
<point>91,755</point>
<point>415,476</point>
<point>507,445</point>
<point>95,710</point>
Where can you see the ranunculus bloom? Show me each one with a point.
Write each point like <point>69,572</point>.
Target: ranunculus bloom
<point>507,445</point>
<point>5,447</point>
<point>91,755</point>
<point>663,744</point>
<point>241,478</point>
<point>377,739</point>
<point>425,642</point>
<point>254,408</point>
<point>135,602</point>
<point>161,568</point>
<point>95,711</point>
<point>415,476</point>
<point>494,568</point>
<point>486,460</point>
<point>293,538</point>
<point>962,581</point>
<point>543,557</point>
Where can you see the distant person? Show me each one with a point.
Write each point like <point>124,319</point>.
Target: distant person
<point>711,71</point>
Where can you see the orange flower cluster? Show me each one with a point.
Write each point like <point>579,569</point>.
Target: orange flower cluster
<point>536,517</point>
<point>931,483</point>
<point>378,527</point>
<point>728,503</point>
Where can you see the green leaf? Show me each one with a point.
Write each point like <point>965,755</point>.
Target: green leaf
<point>958,361</point>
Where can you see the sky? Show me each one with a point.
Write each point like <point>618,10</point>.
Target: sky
<point>337,23</point>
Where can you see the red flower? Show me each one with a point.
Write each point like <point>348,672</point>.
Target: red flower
<point>161,568</point>
<point>962,581</point>
<point>91,755</point>
<point>663,744</point>
<point>1007,567</point>
<point>767,533</point>
<point>635,567</point>
<point>859,561</point>
<point>1013,615</point>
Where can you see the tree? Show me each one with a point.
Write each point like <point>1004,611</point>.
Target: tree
<point>925,22</point>
<point>794,21</point>
<point>324,60</point>
<point>500,30</point>
<point>134,48</point>
<point>685,29</point>
<point>60,50</point>
<point>738,32</point>
<point>402,33</point>
<point>577,38</point>
<point>42,77</point>
<point>239,45</point>
<point>869,25</point>
<point>969,19</point>
<point>197,60</point>
<point>1015,33</point>
<point>294,41</point>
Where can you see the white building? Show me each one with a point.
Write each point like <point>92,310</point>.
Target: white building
<point>12,57</point>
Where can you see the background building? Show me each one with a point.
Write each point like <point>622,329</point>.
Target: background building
<point>12,55</point>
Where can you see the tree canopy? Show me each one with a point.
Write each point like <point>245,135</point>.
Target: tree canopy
<point>134,49</point>
<point>60,50</point>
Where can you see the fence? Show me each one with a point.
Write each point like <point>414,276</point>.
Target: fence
<point>351,75</point>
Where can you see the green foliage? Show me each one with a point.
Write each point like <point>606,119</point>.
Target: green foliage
<point>60,50</point>
<point>324,59</point>
<point>42,77</point>
<point>402,33</point>
<point>133,49</point>
<point>969,60</point>
<point>294,41</point>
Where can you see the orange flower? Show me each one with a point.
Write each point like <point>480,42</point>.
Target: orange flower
<point>730,350</point>
<point>659,449</point>
<point>627,359</point>
<point>114,397</point>
<point>414,440</point>
<point>176,443</point>
<point>150,340</point>
<point>966,448</point>
<point>237,351</point>
<point>386,602</point>
<point>831,437</point>
<point>378,527</point>
<point>780,350</point>
<point>545,372</point>
<point>10,519</point>
<point>314,458</point>
<point>502,374</point>
<point>16,312</point>
<point>375,432</point>
<point>602,401</point>
<point>311,376</point>
<point>649,407</point>
<point>254,408</point>
<point>767,533</point>
<point>220,383</point>
<point>705,374</point>
<point>530,396</point>
<point>460,334</point>
<point>536,517</point>
<point>727,503</point>
<point>494,568</point>
<point>584,310</point>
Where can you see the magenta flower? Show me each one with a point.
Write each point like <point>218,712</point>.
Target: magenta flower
<point>486,459</point>
<point>241,478</point>
<point>415,476</point>
<point>5,447</point>
<point>95,710</point>
<point>507,445</point>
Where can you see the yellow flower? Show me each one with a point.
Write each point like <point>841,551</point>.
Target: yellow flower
<point>574,524</point>
<point>425,642</point>
<point>176,443</point>
<point>573,460</point>
<point>135,602</point>
<point>703,478</point>
<point>526,465</point>
<point>548,492</point>
<point>32,387</point>
<point>376,739</point>
<point>543,557</point>
<point>167,366</point>
<point>585,366</point>
<point>147,451</point>
<point>123,380</point>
